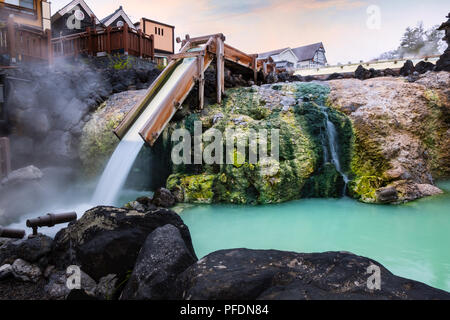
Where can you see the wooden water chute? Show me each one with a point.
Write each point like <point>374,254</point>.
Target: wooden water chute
<point>204,49</point>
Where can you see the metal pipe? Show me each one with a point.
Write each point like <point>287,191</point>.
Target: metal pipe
<point>50,220</point>
<point>11,233</point>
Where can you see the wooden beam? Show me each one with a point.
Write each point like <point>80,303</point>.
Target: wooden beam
<point>237,56</point>
<point>201,81</point>
<point>5,157</point>
<point>220,69</point>
<point>183,55</point>
<point>49,46</point>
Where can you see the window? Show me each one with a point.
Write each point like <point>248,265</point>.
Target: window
<point>156,30</point>
<point>162,31</point>
<point>29,4</point>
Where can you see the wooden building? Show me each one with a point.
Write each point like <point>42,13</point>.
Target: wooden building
<point>164,35</point>
<point>288,59</point>
<point>34,14</point>
<point>118,19</point>
<point>73,18</point>
<point>24,31</point>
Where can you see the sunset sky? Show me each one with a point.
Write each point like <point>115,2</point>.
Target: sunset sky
<point>262,25</point>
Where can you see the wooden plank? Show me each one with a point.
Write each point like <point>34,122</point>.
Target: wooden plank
<point>237,56</point>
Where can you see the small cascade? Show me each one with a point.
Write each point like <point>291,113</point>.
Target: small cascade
<point>121,162</point>
<point>334,148</point>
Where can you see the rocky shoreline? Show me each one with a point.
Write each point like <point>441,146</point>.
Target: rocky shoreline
<point>133,255</point>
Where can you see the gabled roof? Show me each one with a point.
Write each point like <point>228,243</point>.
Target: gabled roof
<point>266,55</point>
<point>116,14</point>
<point>67,8</point>
<point>303,53</point>
<point>307,52</point>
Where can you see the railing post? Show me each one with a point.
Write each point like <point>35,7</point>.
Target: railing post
<point>88,30</point>
<point>5,159</point>
<point>11,38</point>
<point>125,39</point>
<point>48,33</point>
<point>255,68</point>
<point>95,48</point>
<point>108,39</point>
<point>152,47</point>
<point>141,43</point>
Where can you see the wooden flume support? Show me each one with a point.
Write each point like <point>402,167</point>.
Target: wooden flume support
<point>204,50</point>
<point>5,158</point>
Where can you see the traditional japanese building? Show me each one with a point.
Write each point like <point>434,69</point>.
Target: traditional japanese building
<point>310,56</point>
<point>73,18</point>
<point>118,19</point>
<point>164,35</point>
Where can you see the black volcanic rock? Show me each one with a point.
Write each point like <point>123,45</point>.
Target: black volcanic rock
<point>107,240</point>
<point>30,250</point>
<point>443,63</point>
<point>362,73</point>
<point>163,256</point>
<point>242,274</point>
<point>407,69</point>
<point>424,66</point>
<point>163,198</point>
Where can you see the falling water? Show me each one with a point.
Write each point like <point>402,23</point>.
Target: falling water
<point>121,162</point>
<point>334,147</point>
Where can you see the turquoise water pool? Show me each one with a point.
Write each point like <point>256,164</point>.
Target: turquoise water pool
<point>411,240</point>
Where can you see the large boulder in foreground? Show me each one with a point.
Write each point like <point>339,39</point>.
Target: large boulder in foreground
<point>242,274</point>
<point>107,240</point>
<point>163,256</point>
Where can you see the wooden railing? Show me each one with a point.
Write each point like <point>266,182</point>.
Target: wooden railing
<point>109,40</point>
<point>22,43</point>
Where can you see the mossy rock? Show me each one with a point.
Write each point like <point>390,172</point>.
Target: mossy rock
<point>266,181</point>
<point>365,188</point>
<point>192,189</point>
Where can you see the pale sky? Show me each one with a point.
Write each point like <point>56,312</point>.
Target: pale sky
<point>255,26</point>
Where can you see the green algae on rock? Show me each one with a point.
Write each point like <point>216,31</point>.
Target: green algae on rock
<point>401,135</point>
<point>291,108</point>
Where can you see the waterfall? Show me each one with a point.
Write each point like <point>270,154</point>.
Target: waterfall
<point>121,162</point>
<point>334,147</point>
